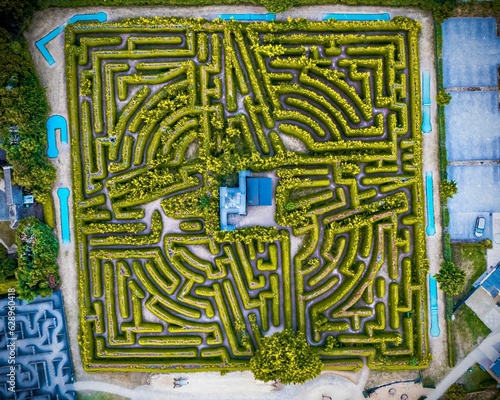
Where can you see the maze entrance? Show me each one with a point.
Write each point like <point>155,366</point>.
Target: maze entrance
<point>163,112</point>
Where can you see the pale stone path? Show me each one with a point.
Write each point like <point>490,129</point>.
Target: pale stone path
<point>475,356</point>
<point>234,386</point>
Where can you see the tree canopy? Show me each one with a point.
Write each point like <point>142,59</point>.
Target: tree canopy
<point>16,15</point>
<point>450,278</point>
<point>23,114</point>
<point>456,392</point>
<point>448,189</point>
<point>8,265</point>
<point>287,357</point>
<point>37,249</point>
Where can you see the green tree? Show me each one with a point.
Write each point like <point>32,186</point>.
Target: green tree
<point>8,266</point>
<point>277,6</point>
<point>443,98</point>
<point>37,249</point>
<point>450,278</point>
<point>285,356</point>
<point>448,189</point>
<point>15,15</point>
<point>456,392</point>
<point>23,114</point>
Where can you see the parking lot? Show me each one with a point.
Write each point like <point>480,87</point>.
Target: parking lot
<point>471,51</point>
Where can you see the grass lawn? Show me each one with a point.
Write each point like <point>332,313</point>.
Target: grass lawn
<point>472,380</point>
<point>469,330</point>
<point>7,234</point>
<point>472,260</point>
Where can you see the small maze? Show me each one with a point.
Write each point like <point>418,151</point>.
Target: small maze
<point>165,111</point>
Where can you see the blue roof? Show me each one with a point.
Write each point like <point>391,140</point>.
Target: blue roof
<point>495,367</point>
<point>259,191</point>
<point>251,192</point>
<point>492,284</point>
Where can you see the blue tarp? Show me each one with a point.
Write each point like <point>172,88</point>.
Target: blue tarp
<point>495,367</point>
<point>259,191</point>
<point>492,284</point>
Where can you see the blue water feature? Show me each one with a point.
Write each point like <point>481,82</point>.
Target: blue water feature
<point>40,44</point>
<point>357,17</point>
<point>63,194</point>
<point>99,17</point>
<point>426,102</point>
<point>248,17</point>
<point>435,331</point>
<point>431,228</point>
<point>55,123</point>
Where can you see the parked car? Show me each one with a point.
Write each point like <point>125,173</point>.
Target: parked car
<point>479,229</point>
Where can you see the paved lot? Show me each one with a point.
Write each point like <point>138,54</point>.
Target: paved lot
<point>478,195</point>
<point>472,126</point>
<point>471,51</point>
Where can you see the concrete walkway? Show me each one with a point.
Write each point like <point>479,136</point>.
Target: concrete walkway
<point>234,386</point>
<point>478,355</point>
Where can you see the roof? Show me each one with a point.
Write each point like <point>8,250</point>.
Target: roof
<point>492,283</point>
<point>260,191</point>
<point>495,367</point>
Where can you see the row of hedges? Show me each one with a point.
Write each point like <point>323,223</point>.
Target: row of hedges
<point>164,122</point>
<point>132,274</point>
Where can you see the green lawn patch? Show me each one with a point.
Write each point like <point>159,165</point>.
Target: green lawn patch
<point>470,258</point>
<point>475,379</point>
<point>468,330</point>
<point>7,234</point>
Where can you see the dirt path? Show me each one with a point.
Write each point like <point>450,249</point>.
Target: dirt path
<point>205,384</point>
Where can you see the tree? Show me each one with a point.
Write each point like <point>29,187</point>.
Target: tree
<point>287,357</point>
<point>456,392</point>
<point>448,189</point>
<point>37,249</point>
<point>8,266</point>
<point>277,6</point>
<point>443,98</point>
<point>451,279</point>
<point>23,115</point>
<point>16,15</point>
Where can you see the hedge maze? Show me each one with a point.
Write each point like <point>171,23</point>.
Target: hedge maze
<point>164,111</point>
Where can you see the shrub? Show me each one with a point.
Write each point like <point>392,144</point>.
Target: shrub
<point>443,98</point>
<point>456,392</point>
<point>448,189</point>
<point>450,278</point>
<point>277,6</point>
<point>285,356</point>
<point>37,249</point>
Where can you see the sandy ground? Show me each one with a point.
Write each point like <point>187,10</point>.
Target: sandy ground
<point>235,385</point>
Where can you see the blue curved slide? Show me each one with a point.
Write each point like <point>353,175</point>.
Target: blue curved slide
<point>426,102</point>
<point>248,17</point>
<point>357,17</point>
<point>63,194</point>
<point>54,123</point>
<point>435,331</point>
<point>40,44</point>
<point>431,227</point>
<point>99,17</point>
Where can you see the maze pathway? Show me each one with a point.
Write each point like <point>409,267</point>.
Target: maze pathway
<point>38,350</point>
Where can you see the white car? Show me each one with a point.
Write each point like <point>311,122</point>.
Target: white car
<point>479,229</point>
